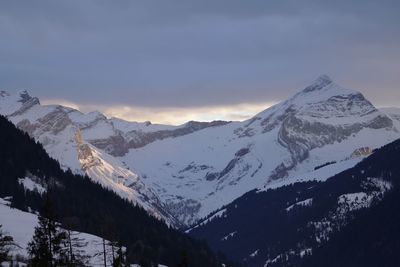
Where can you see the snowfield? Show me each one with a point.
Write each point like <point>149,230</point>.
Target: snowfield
<point>21,226</point>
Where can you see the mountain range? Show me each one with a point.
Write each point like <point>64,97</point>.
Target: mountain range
<point>32,183</point>
<point>181,174</point>
<point>273,190</point>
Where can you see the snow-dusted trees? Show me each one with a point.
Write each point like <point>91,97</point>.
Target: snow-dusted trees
<point>113,254</point>
<point>6,243</point>
<point>47,246</point>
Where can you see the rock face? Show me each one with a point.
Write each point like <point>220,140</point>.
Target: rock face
<point>119,144</point>
<point>182,173</point>
<point>322,114</point>
<point>85,155</point>
<point>362,152</point>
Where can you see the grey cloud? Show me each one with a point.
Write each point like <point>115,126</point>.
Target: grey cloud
<point>197,53</point>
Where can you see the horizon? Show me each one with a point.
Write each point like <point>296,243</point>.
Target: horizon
<point>176,61</point>
<point>219,114</point>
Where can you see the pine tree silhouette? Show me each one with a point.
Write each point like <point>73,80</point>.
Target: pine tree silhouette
<point>6,243</point>
<point>46,247</point>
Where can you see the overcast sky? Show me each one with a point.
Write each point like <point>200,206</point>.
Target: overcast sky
<point>170,61</point>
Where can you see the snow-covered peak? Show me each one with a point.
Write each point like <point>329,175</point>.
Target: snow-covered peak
<point>13,102</point>
<point>323,98</point>
<point>321,82</point>
<point>322,89</point>
<point>18,96</point>
<point>24,96</point>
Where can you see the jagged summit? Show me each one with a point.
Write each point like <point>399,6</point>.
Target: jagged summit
<point>324,78</point>
<point>321,82</point>
<point>20,96</point>
<point>323,88</point>
<point>323,98</point>
<point>24,96</point>
<point>12,103</point>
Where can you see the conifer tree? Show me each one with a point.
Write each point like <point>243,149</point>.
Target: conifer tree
<point>46,247</point>
<point>6,243</point>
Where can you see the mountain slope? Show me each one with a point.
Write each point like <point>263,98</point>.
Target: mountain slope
<point>372,239</point>
<point>205,170</point>
<point>394,114</point>
<point>279,227</point>
<point>182,173</point>
<point>26,171</point>
<point>87,144</point>
<point>20,225</point>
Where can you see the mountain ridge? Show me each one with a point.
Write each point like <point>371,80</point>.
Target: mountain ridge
<point>292,223</point>
<point>30,178</point>
<point>183,173</point>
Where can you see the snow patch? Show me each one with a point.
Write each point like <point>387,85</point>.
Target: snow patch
<point>255,253</point>
<point>21,226</point>
<point>304,203</point>
<point>229,236</point>
<point>31,185</point>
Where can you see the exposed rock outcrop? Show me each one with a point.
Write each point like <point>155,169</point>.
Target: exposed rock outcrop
<point>362,152</point>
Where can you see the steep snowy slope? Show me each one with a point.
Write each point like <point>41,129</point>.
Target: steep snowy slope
<point>279,227</point>
<point>324,123</point>
<point>182,173</point>
<point>394,114</point>
<point>60,130</point>
<point>27,171</point>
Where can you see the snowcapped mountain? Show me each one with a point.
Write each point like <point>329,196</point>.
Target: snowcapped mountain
<point>324,123</point>
<point>182,173</point>
<point>90,143</point>
<point>64,131</point>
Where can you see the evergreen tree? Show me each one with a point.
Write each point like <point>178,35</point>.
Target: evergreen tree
<point>46,247</point>
<point>104,253</point>
<point>78,196</point>
<point>6,242</point>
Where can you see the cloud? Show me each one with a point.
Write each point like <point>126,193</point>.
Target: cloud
<point>191,54</point>
<point>171,116</point>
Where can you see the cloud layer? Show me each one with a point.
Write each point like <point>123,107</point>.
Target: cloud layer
<point>181,55</point>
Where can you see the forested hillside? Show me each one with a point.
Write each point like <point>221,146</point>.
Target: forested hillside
<point>92,208</point>
<point>351,219</point>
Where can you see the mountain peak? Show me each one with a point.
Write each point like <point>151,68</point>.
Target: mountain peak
<point>320,83</point>
<point>324,79</point>
<point>323,98</point>
<point>24,96</point>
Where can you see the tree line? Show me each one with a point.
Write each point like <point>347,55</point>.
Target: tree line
<point>92,208</point>
<point>53,246</point>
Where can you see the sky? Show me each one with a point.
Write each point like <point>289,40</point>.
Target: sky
<point>179,60</point>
